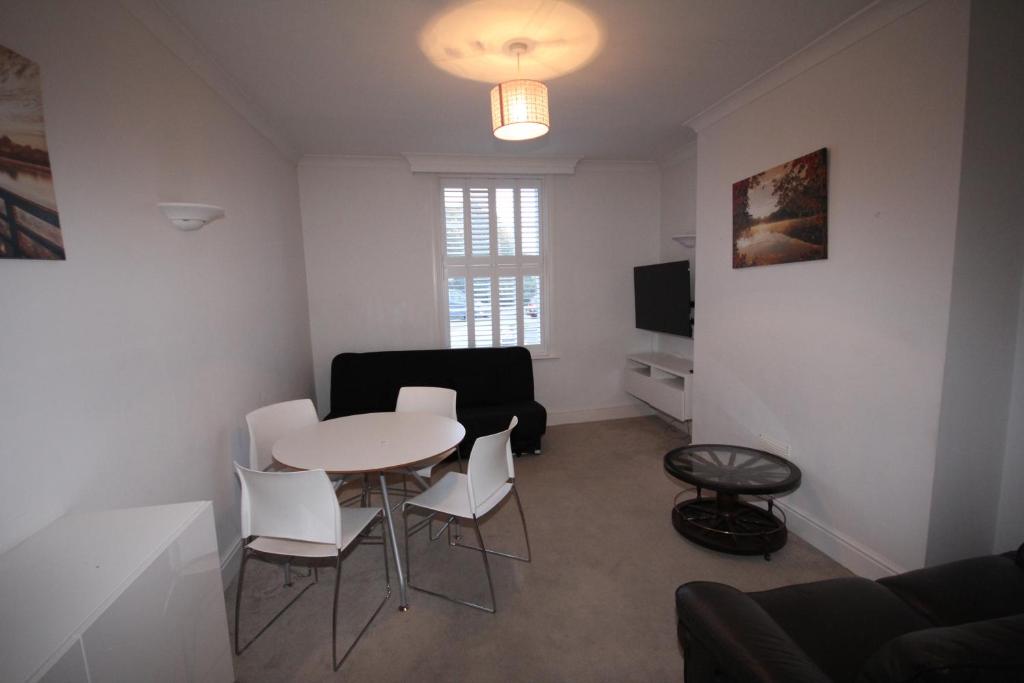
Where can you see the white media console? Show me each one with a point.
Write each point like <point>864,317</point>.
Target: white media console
<point>662,381</point>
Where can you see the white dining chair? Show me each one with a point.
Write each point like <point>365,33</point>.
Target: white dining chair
<point>434,400</point>
<point>273,422</point>
<point>270,423</point>
<point>489,479</point>
<point>296,514</point>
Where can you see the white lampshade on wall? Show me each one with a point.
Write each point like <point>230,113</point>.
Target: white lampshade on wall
<point>519,110</point>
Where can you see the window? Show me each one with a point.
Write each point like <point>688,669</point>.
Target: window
<point>493,259</point>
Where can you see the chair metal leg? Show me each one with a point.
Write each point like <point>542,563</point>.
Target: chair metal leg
<point>246,553</point>
<point>384,545</point>
<point>405,532</point>
<point>526,535</point>
<point>238,595</point>
<point>522,518</point>
<point>334,616</point>
<point>447,524</point>
<point>487,569</point>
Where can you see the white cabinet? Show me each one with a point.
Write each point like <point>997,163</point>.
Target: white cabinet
<point>663,381</point>
<point>121,595</point>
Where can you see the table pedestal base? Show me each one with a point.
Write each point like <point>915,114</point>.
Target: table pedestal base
<point>726,524</point>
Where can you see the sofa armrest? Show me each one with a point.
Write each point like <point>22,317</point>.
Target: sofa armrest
<point>721,623</point>
<point>990,651</point>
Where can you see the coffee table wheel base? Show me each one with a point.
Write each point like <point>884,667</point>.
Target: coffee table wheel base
<point>738,528</point>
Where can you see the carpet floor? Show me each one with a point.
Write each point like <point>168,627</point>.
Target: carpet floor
<point>595,604</point>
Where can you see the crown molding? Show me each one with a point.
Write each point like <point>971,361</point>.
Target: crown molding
<point>183,45</point>
<point>352,161</point>
<point>856,28</point>
<point>625,165</point>
<point>450,163</point>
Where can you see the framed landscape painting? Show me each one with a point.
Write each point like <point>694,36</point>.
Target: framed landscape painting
<point>781,215</point>
<point>29,224</point>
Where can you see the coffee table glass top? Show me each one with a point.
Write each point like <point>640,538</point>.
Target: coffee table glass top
<point>732,469</point>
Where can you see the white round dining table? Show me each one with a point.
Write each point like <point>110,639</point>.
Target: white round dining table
<point>373,443</point>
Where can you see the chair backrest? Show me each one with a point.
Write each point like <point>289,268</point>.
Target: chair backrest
<point>436,400</point>
<point>490,465</point>
<point>270,423</point>
<point>300,506</point>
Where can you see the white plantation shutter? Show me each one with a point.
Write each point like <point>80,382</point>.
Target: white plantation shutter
<point>459,338</point>
<point>479,200</point>
<point>493,262</point>
<point>454,225</point>
<point>529,202</point>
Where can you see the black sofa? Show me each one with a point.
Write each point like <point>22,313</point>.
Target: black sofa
<point>492,385</point>
<point>957,622</point>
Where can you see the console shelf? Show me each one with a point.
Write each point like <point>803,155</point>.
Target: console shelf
<point>663,381</point>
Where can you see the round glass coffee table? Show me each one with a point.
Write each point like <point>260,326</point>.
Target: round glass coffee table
<point>724,522</point>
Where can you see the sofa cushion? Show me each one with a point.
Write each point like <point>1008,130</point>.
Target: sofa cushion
<point>986,588</point>
<point>483,420</point>
<point>839,623</point>
<point>991,651</point>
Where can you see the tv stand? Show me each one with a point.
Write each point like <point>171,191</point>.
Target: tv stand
<point>663,381</point>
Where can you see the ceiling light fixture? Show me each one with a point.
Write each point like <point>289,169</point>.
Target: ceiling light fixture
<point>519,108</point>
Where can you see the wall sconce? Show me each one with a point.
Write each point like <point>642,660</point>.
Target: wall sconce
<point>190,216</point>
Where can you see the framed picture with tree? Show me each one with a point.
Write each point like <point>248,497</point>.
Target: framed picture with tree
<point>781,215</point>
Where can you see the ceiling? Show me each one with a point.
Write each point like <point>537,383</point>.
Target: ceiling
<point>349,76</point>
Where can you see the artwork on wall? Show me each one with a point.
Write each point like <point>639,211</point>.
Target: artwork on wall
<point>781,215</point>
<point>29,224</point>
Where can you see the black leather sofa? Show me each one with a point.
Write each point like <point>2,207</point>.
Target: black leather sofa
<point>492,386</point>
<point>957,622</point>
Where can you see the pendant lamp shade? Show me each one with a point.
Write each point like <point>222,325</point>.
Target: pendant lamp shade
<point>519,110</point>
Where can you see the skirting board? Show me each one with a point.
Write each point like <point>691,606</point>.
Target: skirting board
<point>843,550</point>
<point>564,417</point>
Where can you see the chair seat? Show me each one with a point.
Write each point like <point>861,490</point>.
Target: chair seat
<point>450,496</point>
<point>353,521</point>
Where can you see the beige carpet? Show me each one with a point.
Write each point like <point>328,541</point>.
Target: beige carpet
<point>596,603</point>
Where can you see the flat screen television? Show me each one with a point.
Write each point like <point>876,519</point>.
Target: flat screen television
<point>662,292</point>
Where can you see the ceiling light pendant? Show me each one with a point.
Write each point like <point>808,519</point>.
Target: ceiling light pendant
<point>519,108</point>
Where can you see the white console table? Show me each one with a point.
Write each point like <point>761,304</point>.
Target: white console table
<point>121,595</point>
<point>663,381</point>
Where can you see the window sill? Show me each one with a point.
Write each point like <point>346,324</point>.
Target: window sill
<point>544,355</point>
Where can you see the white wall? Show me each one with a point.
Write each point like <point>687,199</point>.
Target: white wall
<point>605,223</point>
<point>843,358</point>
<point>369,233</point>
<point>128,368</point>
<point>678,216</point>
<point>986,294</point>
